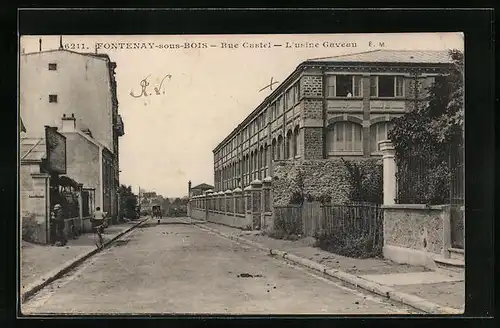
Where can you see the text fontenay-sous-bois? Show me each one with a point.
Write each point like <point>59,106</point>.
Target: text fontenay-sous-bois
<point>222,45</point>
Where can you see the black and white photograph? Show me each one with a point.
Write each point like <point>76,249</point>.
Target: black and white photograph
<point>242,174</point>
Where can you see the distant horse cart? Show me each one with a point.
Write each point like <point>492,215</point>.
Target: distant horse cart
<point>157,213</point>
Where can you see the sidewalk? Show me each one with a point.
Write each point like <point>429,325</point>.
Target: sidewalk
<point>443,289</point>
<point>40,263</point>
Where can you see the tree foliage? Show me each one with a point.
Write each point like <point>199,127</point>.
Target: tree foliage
<point>128,201</point>
<point>437,120</point>
<point>430,132</point>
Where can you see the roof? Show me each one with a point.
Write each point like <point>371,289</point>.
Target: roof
<point>88,54</point>
<point>391,56</point>
<point>32,149</point>
<point>203,186</point>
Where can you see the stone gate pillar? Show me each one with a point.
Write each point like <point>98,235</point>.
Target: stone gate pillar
<point>390,169</point>
<point>256,193</point>
<point>247,195</point>
<point>266,201</point>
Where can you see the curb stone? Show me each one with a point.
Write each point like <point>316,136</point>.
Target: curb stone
<point>388,292</point>
<point>58,272</point>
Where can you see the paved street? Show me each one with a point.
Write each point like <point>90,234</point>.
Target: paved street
<point>179,268</point>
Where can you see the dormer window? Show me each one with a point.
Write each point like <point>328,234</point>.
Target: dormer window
<point>52,67</point>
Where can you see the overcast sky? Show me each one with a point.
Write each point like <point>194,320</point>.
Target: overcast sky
<point>169,137</point>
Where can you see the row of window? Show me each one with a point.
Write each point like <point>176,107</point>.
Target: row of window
<point>289,99</point>
<point>384,86</point>
<point>352,86</point>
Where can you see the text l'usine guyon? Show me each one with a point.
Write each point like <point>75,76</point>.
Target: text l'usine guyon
<point>208,45</point>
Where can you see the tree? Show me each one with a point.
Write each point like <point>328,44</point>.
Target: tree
<point>438,120</point>
<point>128,201</point>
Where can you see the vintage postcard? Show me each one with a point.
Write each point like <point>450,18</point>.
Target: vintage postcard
<point>242,174</point>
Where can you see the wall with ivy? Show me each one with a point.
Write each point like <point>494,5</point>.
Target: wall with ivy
<point>334,180</point>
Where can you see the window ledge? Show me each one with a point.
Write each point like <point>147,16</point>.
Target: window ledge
<point>344,98</point>
<point>388,98</point>
<point>376,153</point>
<point>345,153</point>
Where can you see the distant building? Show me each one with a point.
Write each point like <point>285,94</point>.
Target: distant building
<point>329,107</point>
<point>60,82</point>
<point>151,194</point>
<point>200,189</point>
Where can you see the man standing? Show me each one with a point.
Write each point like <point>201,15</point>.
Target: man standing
<point>59,222</point>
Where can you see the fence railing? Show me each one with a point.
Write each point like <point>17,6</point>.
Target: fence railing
<point>310,219</point>
<point>426,176</point>
<point>355,219</point>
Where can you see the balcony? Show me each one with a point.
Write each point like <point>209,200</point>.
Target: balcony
<point>344,105</point>
<point>387,106</point>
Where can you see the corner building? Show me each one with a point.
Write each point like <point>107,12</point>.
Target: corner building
<point>327,107</point>
<point>59,82</point>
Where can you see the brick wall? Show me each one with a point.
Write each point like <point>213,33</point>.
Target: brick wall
<point>312,109</point>
<point>321,178</point>
<point>311,85</point>
<point>313,143</point>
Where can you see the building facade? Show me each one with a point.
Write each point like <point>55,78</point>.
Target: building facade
<point>326,108</point>
<point>59,82</point>
<point>90,163</point>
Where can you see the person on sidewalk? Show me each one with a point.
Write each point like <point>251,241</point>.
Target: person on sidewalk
<point>59,223</point>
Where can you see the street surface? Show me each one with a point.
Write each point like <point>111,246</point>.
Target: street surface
<point>179,268</point>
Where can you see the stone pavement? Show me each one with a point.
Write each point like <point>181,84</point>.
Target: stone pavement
<point>39,260</point>
<point>443,288</point>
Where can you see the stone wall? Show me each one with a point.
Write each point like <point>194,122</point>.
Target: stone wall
<point>230,220</point>
<point>198,214</point>
<point>321,178</point>
<point>414,234</point>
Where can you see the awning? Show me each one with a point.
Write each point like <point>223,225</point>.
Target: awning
<point>65,181</point>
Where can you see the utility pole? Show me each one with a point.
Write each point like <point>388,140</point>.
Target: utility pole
<point>139,201</point>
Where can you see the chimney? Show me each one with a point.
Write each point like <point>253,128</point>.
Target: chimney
<point>189,188</point>
<point>68,123</point>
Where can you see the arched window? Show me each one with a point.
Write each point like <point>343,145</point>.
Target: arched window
<point>273,150</point>
<point>279,148</point>
<point>289,146</point>
<point>345,137</point>
<point>378,132</point>
<point>295,141</point>
<point>255,164</point>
